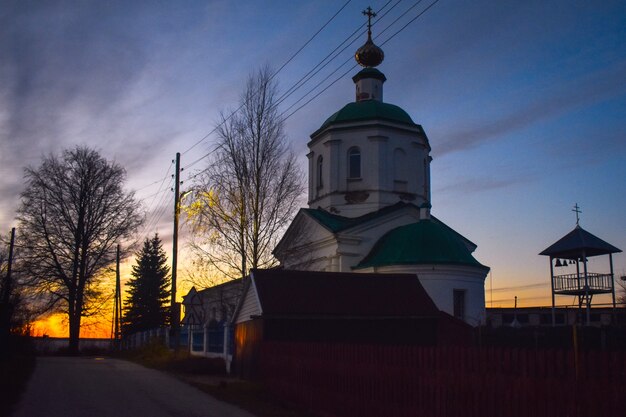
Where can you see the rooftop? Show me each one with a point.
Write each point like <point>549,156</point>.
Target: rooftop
<point>368,110</point>
<point>336,294</point>
<point>423,242</point>
<point>575,242</point>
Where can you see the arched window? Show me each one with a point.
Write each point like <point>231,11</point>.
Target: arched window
<point>354,163</point>
<point>320,165</point>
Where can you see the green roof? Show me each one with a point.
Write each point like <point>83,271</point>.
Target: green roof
<point>423,242</point>
<point>368,110</point>
<point>336,223</point>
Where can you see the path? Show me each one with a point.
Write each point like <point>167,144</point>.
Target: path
<point>104,387</point>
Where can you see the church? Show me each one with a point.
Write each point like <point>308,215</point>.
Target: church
<point>369,200</point>
<point>366,252</point>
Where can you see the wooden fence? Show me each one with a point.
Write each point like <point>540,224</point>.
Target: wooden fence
<point>363,381</point>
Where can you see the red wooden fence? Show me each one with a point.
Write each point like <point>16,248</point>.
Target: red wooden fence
<point>362,381</point>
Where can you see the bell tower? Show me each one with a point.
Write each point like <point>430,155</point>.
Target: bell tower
<point>370,154</point>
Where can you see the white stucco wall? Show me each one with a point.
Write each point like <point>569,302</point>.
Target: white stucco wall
<point>440,281</point>
<point>385,179</point>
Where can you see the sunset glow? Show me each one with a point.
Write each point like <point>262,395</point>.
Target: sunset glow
<point>523,103</point>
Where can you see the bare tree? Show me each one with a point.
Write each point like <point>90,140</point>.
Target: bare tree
<point>73,212</point>
<point>250,190</point>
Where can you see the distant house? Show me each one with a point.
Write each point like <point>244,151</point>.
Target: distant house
<point>207,314</point>
<point>542,316</point>
<point>307,306</point>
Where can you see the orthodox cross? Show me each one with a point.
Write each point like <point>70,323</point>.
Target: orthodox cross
<point>369,13</point>
<point>578,211</point>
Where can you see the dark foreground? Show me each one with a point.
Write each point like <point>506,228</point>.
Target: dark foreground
<point>103,387</point>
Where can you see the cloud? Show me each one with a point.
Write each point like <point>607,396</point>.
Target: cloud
<point>473,185</point>
<point>78,74</point>
<point>586,91</point>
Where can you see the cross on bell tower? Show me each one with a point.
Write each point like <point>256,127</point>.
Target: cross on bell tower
<point>578,211</point>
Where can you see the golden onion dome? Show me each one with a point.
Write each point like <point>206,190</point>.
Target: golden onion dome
<point>369,55</point>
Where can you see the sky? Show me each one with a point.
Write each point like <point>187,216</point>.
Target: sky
<point>523,102</point>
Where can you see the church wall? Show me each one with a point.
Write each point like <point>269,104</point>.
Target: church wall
<point>249,307</point>
<point>309,246</point>
<point>383,180</point>
<point>440,281</point>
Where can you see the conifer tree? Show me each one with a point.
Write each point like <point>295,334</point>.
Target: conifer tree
<point>146,306</point>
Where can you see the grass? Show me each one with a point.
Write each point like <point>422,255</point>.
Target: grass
<point>209,375</point>
<point>157,356</point>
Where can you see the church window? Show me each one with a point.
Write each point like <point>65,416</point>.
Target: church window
<point>354,163</point>
<point>320,165</point>
<point>459,303</point>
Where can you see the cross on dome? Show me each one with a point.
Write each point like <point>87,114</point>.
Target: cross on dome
<point>369,55</point>
<point>369,13</point>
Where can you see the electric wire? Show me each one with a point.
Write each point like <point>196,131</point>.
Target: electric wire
<point>410,21</point>
<point>321,65</point>
<point>154,196</point>
<point>300,82</point>
<point>397,19</point>
<point>272,76</point>
<point>355,65</point>
<point>155,213</point>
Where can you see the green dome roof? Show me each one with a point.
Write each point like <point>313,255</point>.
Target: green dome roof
<point>424,242</point>
<point>369,110</point>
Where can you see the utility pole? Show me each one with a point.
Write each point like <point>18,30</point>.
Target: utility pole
<point>117,315</point>
<point>5,307</point>
<point>6,295</point>
<point>174,312</point>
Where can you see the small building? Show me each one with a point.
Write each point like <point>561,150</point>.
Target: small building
<point>542,316</point>
<point>325,307</point>
<point>205,327</point>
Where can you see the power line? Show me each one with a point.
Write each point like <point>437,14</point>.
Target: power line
<point>355,65</point>
<point>157,181</point>
<point>410,21</point>
<point>300,82</point>
<point>272,76</point>
<point>312,37</point>
<point>398,18</point>
<point>309,75</point>
<point>156,214</point>
<point>521,287</point>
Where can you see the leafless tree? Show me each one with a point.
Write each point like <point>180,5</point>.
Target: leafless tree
<point>250,190</point>
<point>72,214</point>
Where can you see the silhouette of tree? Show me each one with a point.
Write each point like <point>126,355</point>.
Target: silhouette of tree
<point>146,306</point>
<point>73,213</point>
<point>250,189</point>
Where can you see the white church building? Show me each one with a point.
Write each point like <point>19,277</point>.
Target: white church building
<point>369,200</point>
